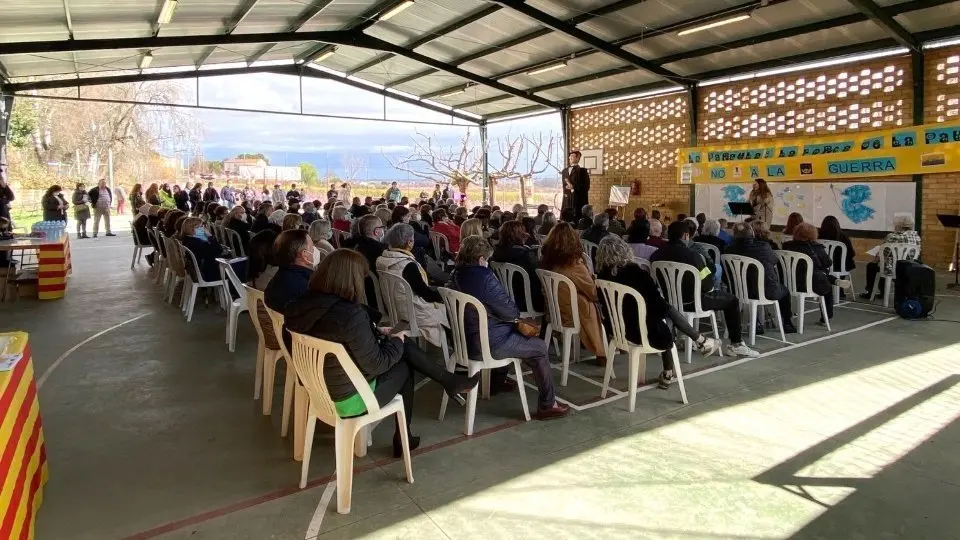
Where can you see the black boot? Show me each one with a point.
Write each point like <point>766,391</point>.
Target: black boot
<point>455,384</point>
<point>398,444</point>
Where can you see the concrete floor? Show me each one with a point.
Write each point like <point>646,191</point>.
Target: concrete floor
<point>151,432</point>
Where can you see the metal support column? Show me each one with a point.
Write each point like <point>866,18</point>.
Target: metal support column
<point>917,63</point>
<point>693,116</point>
<point>565,131</point>
<point>485,157</point>
<point>6,110</point>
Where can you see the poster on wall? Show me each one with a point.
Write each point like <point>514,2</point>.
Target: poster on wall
<point>933,148</point>
<point>865,206</point>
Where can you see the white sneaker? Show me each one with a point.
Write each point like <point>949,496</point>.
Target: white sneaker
<point>708,347</point>
<point>741,349</point>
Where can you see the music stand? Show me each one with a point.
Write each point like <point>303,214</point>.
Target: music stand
<point>951,221</point>
<point>740,208</point>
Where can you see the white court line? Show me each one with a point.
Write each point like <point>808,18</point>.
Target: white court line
<point>58,361</point>
<point>314,529</point>
<point>583,378</point>
<point>748,359</point>
<point>865,310</point>
<point>573,406</point>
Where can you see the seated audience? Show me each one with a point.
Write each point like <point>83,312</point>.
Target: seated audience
<point>542,211</point>
<point>615,263</point>
<point>724,234</point>
<point>805,241</point>
<point>903,233</point>
<point>701,219</point>
<point>261,265</point>
<point>830,230</point>
<point>708,235</point>
<point>291,222</point>
<point>599,230</point>
<point>293,253</point>
<point>793,220</point>
<point>204,247</point>
<point>711,296</point>
<point>339,218</point>
<point>586,218</point>
<point>471,227</point>
<point>332,307</point>
<point>513,249</point>
<point>617,226</point>
<point>746,244</point>
<point>443,225</point>
<point>472,276</point>
<point>320,232</point>
<point>309,213</point>
<point>656,234</point>
<point>638,236</point>
<point>548,222</point>
<point>568,215</point>
<point>236,220</point>
<point>169,220</point>
<point>428,304</point>
<point>761,229</point>
<point>530,227</point>
<point>563,254</point>
<point>369,240</point>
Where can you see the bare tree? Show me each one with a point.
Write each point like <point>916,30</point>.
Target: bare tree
<point>353,166</point>
<point>460,164</point>
<point>523,158</point>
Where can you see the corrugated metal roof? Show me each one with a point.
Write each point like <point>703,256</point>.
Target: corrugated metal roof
<point>490,47</point>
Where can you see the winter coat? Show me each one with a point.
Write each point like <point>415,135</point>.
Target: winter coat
<point>481,283</point>
<point>586,295</point>
<point>81,205</point>
<point>331,318</point>
<point>51,208</point>
<point>287,285</point>
<point>95,195</point>
<point>206,253</point>
<point>431,315</point>
<point>6,197</point>
<point>679,253</point>
<point>631,275</point>
<point>822,265</point>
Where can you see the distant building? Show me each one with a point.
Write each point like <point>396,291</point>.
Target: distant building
<point>268,173</point>
<point>232,166</point>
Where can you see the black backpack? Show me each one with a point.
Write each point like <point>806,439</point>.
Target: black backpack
<point>914,289</point>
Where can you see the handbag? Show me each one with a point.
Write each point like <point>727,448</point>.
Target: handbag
<point>528,327</point>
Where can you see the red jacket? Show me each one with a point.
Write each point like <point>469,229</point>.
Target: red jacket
<point>452,232</point>
<point>342,225</point>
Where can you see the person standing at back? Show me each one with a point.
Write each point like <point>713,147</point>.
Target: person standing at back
<point>121,196</point>
<point>81,209</point>
<point>278,195</point>
<point>209,195</point>
<point>101,199</point>
<point>228,195</point>
<point>393,193</point>
<point>294,196</point>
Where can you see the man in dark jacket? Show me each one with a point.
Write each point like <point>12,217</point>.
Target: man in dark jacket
<point>576,184</point>
<point>472,276</point>
<point>370,245</point>
<point>599,230</point>
<point>228,195</point>
<point>211,194</point>
<point>6,197</point>
<point>711,297</point>
<point>293,252</point>
<point>102,200</point>
<point>294,196</point>
<point>745,244</point>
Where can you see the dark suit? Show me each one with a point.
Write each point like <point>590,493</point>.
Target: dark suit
<point>580,179</point>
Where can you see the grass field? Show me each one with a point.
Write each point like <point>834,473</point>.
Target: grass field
<point>24,218</point>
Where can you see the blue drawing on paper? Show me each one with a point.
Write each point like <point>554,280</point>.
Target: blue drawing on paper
<point>854,204</point>
<point>732,194</point>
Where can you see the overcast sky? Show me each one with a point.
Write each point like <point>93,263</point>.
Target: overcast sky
<point>325,141</point>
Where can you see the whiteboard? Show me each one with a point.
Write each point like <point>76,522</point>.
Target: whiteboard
<point>619,195</point>
<point>866,206</point>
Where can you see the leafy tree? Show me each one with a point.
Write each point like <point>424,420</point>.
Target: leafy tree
<point>215,167</point>
<point>23,121</point>
<point>309,174</point>
<point>258,155</point>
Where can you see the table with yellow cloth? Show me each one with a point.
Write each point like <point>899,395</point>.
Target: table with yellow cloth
<point>23,457</point>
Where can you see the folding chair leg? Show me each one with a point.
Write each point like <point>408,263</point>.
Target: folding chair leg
<point>405,442</point>
<point>887,285</point>
<point>801,313</point>
<point>307,446</point>
<point>634,370</point>
<point>611,352</point>
<point>522,389</point>
<point>471,405</point>
<point>753,323</point>
<point>776,309</point>
<point>689,343</point>
<point>258,373</point>
<point>344,446</point>
<point>567,346</point>
<point>291,380</point>
<point>823,311</point>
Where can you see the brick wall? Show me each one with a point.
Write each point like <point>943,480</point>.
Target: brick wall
<point>941,192</point>
<point>640,139</point>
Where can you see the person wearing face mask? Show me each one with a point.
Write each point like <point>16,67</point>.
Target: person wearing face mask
<point>399,260</point>
<point>54,207</point>
<point>473,276</point>
<point>237,220</point>
<point>321,231</point>
<point>293,253</point>
<point>204,246</point>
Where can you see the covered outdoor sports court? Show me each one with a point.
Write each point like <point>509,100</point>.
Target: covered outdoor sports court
<point>150,428</point>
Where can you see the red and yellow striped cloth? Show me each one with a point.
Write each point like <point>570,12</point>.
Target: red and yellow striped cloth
<point>23,457</point>
<point>54,268</point>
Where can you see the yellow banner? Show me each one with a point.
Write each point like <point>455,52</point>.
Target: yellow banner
<point>928,149</point>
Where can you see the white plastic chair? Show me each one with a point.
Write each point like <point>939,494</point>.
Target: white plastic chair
<point>790,260</point>
<point>551,295</point>
<point>506,273</point>
<point>713,250</point>
<point>398,298</point>
<point>228,277</point>
<point>898,252</point>
<point>738,269</point>
<point>670,276</point>
<point>194,281</point>
<point>589,250</point>
<point>265,356</point>
<point>643,264</point>
<point>380,306</point>
<point>440,246</point>
<point>137,246</point>
<point>233,242</point>
<point>178,272</point>
<point>291,376</point>
<point>541,238</point>
<point>309,356</point>
<point>160,259</point>
<point>838,271</point>
<point>457,303</point>
<point>614,295</point>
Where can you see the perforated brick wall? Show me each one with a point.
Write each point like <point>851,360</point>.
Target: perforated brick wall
<point>941,192</point>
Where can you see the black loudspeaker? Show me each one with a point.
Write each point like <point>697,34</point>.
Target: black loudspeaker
<point>914,289</point>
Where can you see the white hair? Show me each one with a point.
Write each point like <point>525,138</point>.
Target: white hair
<point>656,228</point>
<point>903,223</point>
<point>711,227</point>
